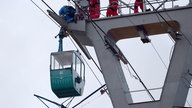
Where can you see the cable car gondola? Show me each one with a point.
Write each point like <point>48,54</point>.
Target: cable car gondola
<point>67,74</point>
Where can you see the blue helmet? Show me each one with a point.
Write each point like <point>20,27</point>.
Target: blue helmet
<point>68,12</point>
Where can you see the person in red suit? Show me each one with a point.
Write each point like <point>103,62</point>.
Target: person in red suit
<point>113,8</point>
<point>94,8</point>
<point>138,3</point>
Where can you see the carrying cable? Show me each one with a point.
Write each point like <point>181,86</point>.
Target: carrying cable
<point>45,13</point>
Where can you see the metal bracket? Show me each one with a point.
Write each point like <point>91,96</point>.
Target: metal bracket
<point>143,34</point>
<point>173,33</point>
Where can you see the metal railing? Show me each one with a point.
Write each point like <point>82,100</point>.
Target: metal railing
<point>147,4</point>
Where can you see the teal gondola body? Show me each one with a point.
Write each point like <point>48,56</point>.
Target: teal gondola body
<point>67,74</point>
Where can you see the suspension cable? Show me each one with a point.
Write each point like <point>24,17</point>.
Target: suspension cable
<point>159,55</point>
<point>48,6</point>
<point>89,96</point>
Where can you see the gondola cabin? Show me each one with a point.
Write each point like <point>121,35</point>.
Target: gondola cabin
<point>67,74</point>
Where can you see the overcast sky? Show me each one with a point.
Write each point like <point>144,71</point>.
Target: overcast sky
<point>27,39</point>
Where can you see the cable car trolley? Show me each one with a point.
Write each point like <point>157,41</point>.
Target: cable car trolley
<point>67,73</point>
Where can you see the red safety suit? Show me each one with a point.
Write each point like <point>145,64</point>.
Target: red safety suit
<point>113,8</point>
<point>94,8</point>
<point>138,3</point>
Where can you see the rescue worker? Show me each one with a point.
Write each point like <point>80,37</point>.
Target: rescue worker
<point>68,13</point>
<point>138,3</point>
<point>113,8</point>
<point>94,8</point>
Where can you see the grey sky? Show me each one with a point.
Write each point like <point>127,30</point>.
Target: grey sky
<point>27,39</point>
